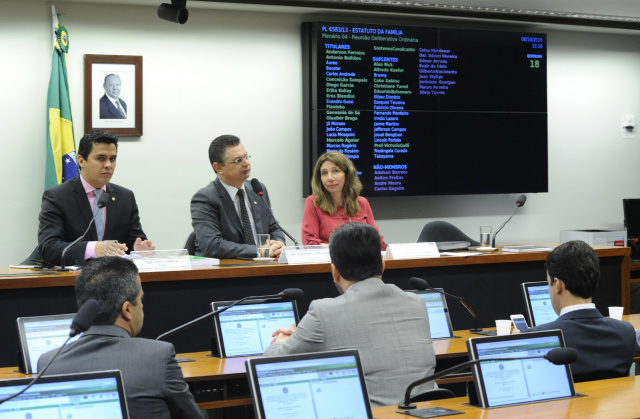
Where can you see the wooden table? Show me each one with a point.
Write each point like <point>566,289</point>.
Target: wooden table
<point>616,398</point>
<point>489,283</point>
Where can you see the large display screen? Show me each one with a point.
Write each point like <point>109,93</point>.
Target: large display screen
<point>427,111</point>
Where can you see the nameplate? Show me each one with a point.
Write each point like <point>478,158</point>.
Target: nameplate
<point>297,255</point>
<point>412,250</point>
<point>161,260</point>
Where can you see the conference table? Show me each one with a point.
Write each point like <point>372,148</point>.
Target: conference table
<point>221,382</point>
<point>489,283</point>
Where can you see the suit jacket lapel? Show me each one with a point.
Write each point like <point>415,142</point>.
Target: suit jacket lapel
<point>82,202</point>
<point>228,205</point>
<point>112,213</point>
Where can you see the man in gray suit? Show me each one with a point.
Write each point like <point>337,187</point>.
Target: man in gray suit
<point>389,327</point>
<point>151,375</point>
<point>227,214</point>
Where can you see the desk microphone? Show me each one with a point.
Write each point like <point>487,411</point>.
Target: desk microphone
<point>421,285</point>
<point>520,202</point>
<point>81,322</point>
<point>103,201</point>
<point>558,356</point>
<point>257,188</point>
<point>288,294</point>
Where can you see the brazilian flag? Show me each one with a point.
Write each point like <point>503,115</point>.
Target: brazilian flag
<point>62,164</point>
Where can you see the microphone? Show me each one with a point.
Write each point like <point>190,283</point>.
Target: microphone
<point>84,317</point>
<point>558,356</point>
<point>257,188</point>
<point>81,322</point>
<point>421,285</point>
<point>520,202</point>
<point>288,294</point>
<point>103,201</point>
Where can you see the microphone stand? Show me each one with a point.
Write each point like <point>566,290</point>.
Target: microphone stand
<point>406,404</point>
<point>475,327</point>
<point>493,241</point>
<point>213,313</point>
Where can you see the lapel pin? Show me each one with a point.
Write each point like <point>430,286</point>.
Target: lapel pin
<point>255,203</point>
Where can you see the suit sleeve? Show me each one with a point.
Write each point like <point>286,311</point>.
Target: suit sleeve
<point>310,223</point>
<point>274,229</point>
<point>206,218</point>
<point>135,228</point>
<point>178,397</point>
<point>51,233</point>
<point>308,336</point>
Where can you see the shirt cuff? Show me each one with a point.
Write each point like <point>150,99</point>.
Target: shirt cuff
<point>90,251</point>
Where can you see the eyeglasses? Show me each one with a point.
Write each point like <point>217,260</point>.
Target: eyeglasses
<point>239,160</point>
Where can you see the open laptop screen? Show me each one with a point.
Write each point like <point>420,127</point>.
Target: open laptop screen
<point>324,385</point>
<point>92,395</point>
<point>502,383</point>
<point>246,329</point>
<point>538,303</point>
<point>439,320</point>
<point>40,334</point>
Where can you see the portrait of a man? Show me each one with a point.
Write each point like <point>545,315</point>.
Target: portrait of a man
<point>111,106</point>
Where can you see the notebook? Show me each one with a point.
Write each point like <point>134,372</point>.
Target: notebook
<point>503,383</point>
<point>40,334</point>
<point>246,328</point>
<point>313,385</point>
<point>439,320</point>
<point>538,303</point>
<point>91,395</point>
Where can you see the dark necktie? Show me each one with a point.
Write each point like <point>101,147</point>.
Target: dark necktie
<point>246,224</point>
<point>99,215</point>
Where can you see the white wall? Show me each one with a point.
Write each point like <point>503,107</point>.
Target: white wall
<point>240,72</point>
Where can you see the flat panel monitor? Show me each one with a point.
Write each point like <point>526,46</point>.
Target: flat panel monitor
<point>90,395</point>
<point>631,209</point>
<point>246,328</point>
<point>538,303</point>
<point>324,385</point>
<point>439,320</point>
<point>40,334</point>
<point>522,381</point>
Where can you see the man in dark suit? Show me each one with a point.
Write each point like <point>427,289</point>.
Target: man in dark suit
<point>111,106</point>
<point>152,378</point>
<point>67,209</point>
<point>221,229</point>
<point>605,346</point>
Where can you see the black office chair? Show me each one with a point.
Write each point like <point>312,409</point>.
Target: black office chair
<point>433,394</point>
<point>190,244</point>
<point>33,257</point>
<point>442,231</point>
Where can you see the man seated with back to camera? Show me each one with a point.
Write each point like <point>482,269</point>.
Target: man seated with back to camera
<point>151,376</point>
<point>605,346</point>
<point>389,327</point>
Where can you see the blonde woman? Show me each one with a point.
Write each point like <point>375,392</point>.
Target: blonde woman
<point>335,201</point>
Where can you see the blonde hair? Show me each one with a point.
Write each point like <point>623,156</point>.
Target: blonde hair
<point>351,189</point>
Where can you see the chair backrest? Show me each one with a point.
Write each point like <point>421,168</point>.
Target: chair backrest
<point>442,231</point>
<point>190,244</point>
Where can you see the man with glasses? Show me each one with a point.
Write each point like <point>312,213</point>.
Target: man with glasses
<point>227,215</point>
<point>605,346</point>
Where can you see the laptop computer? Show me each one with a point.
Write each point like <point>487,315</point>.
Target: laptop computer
<point>246,328</point>
<point>40,334</point>
<point>538,303</point>
<point>439,320</point>
<point>91,395</point>
<point>313,385</point>
<point>504,383</point>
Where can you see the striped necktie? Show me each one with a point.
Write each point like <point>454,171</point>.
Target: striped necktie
<point>246,224</point>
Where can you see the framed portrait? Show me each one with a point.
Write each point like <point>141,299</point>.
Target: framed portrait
<point>113,94</point>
